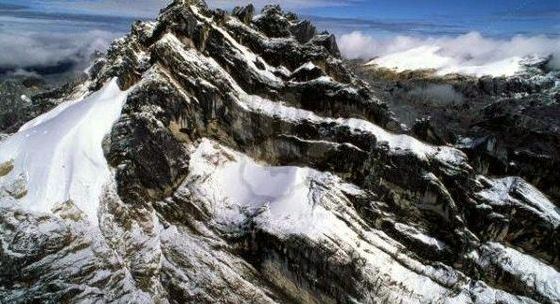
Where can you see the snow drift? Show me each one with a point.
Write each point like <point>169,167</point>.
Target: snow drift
<point>470,54</point>
<point>58,156</point>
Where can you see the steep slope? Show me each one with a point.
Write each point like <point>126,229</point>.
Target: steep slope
<point>507,125</point>
<point>58,156</point>
<point>248,165</point>
<point>428,57</point>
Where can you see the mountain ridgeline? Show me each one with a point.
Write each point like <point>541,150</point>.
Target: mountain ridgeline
<point>216,157</point>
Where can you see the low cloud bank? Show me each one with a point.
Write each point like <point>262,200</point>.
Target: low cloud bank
<point>470,53</point>
<point>38,51</point>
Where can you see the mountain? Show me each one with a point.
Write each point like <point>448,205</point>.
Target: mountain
<point>508,125</point>
<point>232,158</point>
<point>430,57</point>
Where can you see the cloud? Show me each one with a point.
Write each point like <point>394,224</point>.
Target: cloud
<point>38,51</point>
<point>467,51</point>
<point>129,8</point>
<point>555,62</point>
<point>24,73</point>
<point>357,45</point>
<point>8,6</point>
<point>48,42</point>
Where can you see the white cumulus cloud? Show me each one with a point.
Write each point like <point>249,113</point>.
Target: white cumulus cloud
<point>470,53</point>
<point>21,50</point>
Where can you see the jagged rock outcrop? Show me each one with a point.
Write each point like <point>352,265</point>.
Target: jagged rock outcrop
<point>507,125</point>
<point>249,165</point>
<point>17,106</point>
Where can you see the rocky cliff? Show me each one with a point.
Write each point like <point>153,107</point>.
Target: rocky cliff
<point>232,158</point>
<point>508,125</point>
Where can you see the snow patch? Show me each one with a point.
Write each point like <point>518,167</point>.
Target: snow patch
<point>419,236</point>
<point>471,53</point>
<point>398,143</point>
<point>59,154</point>
<point>281,200</point>
<point>243,52</point>
<point>420,58</point>
<point>515,190</point>
<point>430,58</point>
<point>306,66</point>
<point>299,201</point>
<point>540,277</point>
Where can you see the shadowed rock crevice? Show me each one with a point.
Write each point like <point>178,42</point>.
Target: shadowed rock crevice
<point>250,166</point>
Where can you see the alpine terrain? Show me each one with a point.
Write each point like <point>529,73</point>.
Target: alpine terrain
<point>215,157</point>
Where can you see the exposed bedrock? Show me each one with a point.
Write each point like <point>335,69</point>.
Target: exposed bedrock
<point>250,165</point>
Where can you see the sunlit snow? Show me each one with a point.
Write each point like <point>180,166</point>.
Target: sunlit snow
<point>59,155</point>
<point>297,201</point>
<point>430,58</point>
<point>281,196</point>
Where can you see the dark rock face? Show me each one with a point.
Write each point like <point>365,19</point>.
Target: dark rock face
<point>303,31</point>
<point>327,41</point>
<point>244,14</point>
<point>250,166</point>
<point>273,22</point>
<point>518,114</point>
<point>26,97</point>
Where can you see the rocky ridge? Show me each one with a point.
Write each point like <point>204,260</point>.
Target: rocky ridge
<point>507,125</point>
<point>249,165</point>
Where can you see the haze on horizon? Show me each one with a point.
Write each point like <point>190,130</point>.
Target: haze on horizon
<point>43,32</point>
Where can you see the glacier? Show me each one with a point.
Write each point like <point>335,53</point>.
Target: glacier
<point>58,156</point>
<point>429,57</point>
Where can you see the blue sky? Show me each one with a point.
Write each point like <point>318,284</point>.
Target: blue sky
<point>386,17</point>
<point>495,17</point>
<point>38,32</point>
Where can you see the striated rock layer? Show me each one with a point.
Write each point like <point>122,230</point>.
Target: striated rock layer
<point>507,125</point>
<point>249,165</point>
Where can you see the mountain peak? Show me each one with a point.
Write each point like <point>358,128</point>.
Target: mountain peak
<point>248,164</point>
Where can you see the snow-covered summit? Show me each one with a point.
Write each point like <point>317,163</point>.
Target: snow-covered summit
<point>229,158</point>
<point>57,157</point>
<point>432,57</point>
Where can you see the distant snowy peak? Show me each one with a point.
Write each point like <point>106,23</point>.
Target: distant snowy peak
<point>434,58</point>
<point>419,58</point>
<point>232,159</point>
